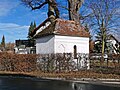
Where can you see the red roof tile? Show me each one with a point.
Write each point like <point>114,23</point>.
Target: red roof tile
<point>63,27</point>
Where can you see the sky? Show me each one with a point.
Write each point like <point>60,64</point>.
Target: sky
<point>15,19</point>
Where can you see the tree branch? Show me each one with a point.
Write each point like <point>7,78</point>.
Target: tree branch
<point>37,7</point>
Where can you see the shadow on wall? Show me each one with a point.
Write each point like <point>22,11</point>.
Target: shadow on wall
<point>44,40</point>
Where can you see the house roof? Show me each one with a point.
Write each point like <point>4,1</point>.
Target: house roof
<point>62,27</point>
<point>114,37</point>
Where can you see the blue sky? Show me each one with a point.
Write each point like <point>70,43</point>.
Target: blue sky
<point>15,19</point>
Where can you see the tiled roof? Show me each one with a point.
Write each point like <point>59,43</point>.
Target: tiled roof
<point>63,27</point>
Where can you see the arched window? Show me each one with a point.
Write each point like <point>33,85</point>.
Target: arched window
<point>75,52</point>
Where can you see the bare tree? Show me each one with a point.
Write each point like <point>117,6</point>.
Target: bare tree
<point>73,7</point>
<point>37,4</point>
<point>104,18</point>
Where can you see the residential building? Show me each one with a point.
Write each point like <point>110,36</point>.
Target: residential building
<point>25,47</point>
<point>113,44</point>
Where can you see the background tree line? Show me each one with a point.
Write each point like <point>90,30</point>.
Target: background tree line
<point>6,46</point>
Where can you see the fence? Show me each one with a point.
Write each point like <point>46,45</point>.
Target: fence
<point>109,63</point>
<point>62,62</point>
<point>59,62</point>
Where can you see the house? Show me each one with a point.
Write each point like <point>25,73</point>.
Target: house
<point>62,36</point>
<point>113,43</point>
<point>25,47</point>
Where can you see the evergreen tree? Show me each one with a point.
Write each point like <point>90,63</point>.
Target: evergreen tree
<point>34,25</point>
<point>86,28</point>
<point>3,42</point>
<point>31,28</point>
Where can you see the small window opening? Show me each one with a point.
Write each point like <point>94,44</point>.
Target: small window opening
<point>75,52</point>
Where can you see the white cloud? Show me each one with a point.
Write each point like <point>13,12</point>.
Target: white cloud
<point>13,31</point>
<point>6,6</point>
<point>43,13</point>
<point>64,15</point>
<point>8,26</point>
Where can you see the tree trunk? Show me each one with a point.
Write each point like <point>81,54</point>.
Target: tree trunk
<point>74,7</point>
<point>103,29</point>
<point>53,11</point>
<point>103,46</point>
<point>103,51</point>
